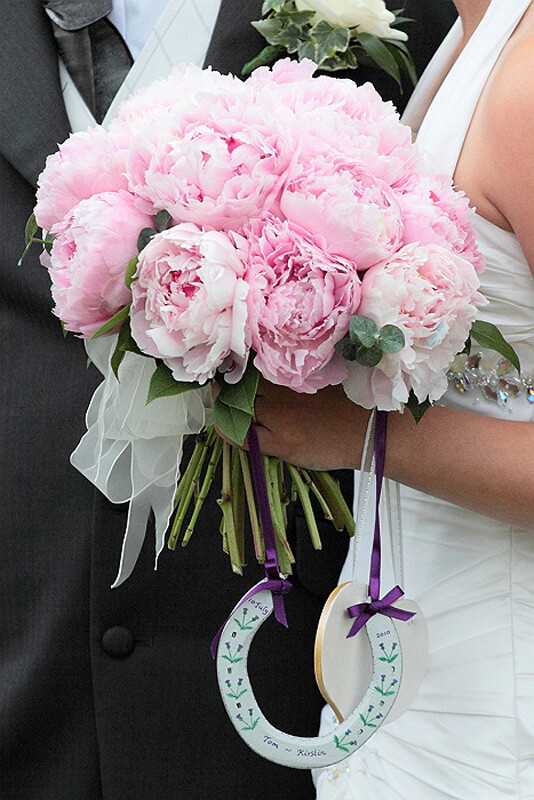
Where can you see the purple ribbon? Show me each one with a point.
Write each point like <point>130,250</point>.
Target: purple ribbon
<point>277,586</point>
<point>364,611</point>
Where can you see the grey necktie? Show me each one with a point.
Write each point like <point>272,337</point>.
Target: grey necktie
<point>92,49</point>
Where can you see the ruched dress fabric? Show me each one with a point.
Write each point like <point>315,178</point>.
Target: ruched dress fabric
<point>469,734</point>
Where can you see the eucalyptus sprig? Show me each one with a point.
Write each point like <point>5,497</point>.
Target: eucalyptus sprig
<point>366,344</point>
<point>300,33</point>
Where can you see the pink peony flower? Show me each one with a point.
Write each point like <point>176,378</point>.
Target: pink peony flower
<point>216,167</point>
<point>189,302</point>
<point>431,295</point>
<point>87,264</point>
<point>337,116</point>
<point>87,163</point>
<point>434,213</point>
<point>300,303</point>
<point>181,92</point>
<point>341,202</point>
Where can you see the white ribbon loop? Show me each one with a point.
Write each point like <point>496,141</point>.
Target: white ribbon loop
<point>132,451</point>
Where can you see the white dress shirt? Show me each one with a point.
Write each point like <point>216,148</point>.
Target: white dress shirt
<point>135,20</point>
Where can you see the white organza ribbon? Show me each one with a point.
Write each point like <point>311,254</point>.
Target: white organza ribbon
<point>132,451</point>
<point>356,566</point>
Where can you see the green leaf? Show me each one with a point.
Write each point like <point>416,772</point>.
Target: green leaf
<point>131,269</point>
<point>467,347</point>
<point>144,237</point>
<point>363,330</point>
<point>416,408</point>
<point>272,5</point>
<point>116,358</point>
<point>125,343</point>
<point>403,59</point>
<point>269,28</point>
<point>24,253</point>
<point>400,19</point>
<point>380,54</point>
<point>241,395</point>
<point>329,40</point>
<point>368,356</point>
<point>30,229</point>
<point>346,348</point>
<point>49,241</point>
<point>232,422</point>
<point>488,335</point>
<point>290,37</point>
<point>162,220</point>
<point>308,49</point>
<point>267,56</point>
<point>391,339</point>
<point>112,323</point>
<point>346,60</point>
<point>301,18</point>
<point>162,384</point>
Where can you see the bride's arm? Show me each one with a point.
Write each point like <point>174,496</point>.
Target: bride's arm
<point>477,462</point>
<point>480,463</point>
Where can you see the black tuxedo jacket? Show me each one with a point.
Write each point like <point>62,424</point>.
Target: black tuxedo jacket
<point>112,694</point>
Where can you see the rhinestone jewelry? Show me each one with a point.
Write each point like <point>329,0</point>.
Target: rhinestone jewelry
<point>496,378</point>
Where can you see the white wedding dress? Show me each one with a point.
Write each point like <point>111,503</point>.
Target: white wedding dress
<point>469,734</point>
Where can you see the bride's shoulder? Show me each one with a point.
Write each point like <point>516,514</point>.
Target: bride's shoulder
<point>509,141</point>
<point>511,91</point>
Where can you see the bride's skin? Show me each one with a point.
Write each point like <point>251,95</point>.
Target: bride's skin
<point>478,462</point>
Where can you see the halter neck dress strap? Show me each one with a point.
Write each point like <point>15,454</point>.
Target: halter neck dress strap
<point>441,119</point>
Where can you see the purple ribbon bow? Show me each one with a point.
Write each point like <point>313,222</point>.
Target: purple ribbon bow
<point>278,586</point>
<point>362,612</point>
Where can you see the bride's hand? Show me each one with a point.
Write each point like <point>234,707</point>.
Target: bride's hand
<point>316,431</point>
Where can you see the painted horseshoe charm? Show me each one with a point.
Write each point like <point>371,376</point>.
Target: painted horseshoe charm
<point>278,746</point>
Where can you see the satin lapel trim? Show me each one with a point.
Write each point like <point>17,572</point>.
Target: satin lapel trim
<point>33,119</point>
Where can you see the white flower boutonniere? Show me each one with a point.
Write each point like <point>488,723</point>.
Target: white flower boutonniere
<point>335,34</point>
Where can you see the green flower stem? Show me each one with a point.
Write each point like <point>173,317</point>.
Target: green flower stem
<point>198,457</point>
<point>185,479</point>
<point>222,530</point>
<point>259,547</point>
<point>304,497</point>
<point>285,554</point>
<point>330,490</point>
<point>183,485</point>
<point>278,503</point>
<point>275,470</point>
<point>208,480</point>
<point>282,490</point>
<point>238,503</point>
<point>317,494</point>
<point>225,502</point>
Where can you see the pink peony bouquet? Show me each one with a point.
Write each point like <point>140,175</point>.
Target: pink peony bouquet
<point>284,226</point>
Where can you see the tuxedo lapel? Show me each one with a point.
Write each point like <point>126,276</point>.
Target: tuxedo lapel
<point>32,114</point>
<point>234,40</point>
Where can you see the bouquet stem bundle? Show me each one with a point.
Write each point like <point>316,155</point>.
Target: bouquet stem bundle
<point>284,481</point>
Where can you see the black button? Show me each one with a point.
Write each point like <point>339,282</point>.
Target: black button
<point>118,642</point>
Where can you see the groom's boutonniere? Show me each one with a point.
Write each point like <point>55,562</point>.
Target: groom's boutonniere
<point>335,34</point>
